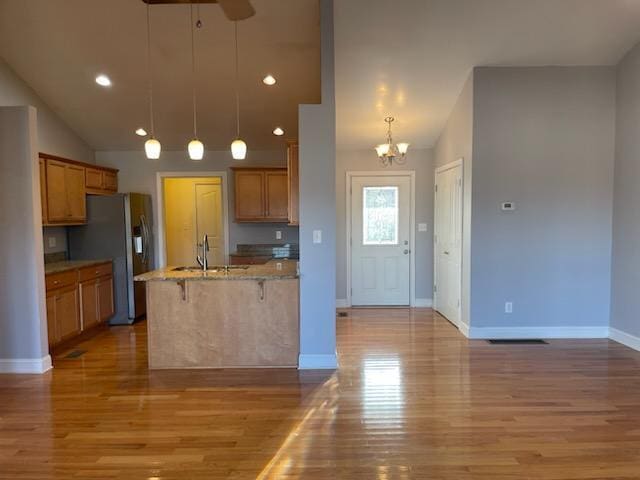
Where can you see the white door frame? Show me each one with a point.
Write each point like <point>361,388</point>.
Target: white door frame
<point>160,176</point>
<point>444,168</point>
<point>412,220</point>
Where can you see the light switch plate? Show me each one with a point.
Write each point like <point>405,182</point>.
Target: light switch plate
<point>52,242</point>
<point>317,236</point>
<point>278,235</point>
<point>422,227</point>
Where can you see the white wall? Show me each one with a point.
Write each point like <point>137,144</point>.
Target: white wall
<point>419,160</point>
<point>54,136</point>
<point>456,142</point>
<point>23,334</point>
<point>625,301</point>
<point>139,174</point>
<point>544,139</point>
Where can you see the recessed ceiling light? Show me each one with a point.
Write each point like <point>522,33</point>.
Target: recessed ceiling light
<point>141,132</point>
<point>103,80</point>
<point>278,131</point>
<point>269,80</point>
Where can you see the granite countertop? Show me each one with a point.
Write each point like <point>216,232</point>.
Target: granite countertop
<point>267,271</point>
<point>65,266</point>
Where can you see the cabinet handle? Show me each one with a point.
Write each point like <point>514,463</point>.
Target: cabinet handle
<point>261,284</point>
<point>56,282</point>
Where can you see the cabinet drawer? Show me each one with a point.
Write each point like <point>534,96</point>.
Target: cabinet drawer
<point>95,271</point>
<point>59,280</point>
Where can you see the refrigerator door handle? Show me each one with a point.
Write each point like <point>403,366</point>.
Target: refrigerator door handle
<point>145,239</point>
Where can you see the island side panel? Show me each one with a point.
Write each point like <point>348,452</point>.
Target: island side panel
<point>223,324</point>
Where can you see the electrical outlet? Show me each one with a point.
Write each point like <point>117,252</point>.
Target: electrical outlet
<point>317,236</point>
<point>52,242</point>
<point>422,227</point>
<point>508,307</point>
<point>278,235</point>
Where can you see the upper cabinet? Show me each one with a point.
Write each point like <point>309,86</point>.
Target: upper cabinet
<point>293,183</point>
<point>64,185</point>
<point>261,195</point>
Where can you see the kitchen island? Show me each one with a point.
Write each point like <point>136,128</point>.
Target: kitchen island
<point>240,317</point>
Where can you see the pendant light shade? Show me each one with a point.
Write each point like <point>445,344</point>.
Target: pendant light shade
<point>152,148</point>
<point>196,149</point>
<point>238,149</point>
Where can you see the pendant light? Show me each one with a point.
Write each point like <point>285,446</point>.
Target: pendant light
<point>238,147</point>
<point>195,147</point>
<point>152,146</point>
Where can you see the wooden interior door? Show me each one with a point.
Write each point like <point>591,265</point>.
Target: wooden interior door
<point>56,194</point>
<point>208,211</point>
<point>76,195</point>
<point>249,195</point>
<point>276,195</point>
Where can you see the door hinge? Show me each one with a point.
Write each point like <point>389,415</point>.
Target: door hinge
<point>435,288</point>
<point>436,188</point>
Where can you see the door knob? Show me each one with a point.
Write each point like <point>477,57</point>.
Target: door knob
<point>406,252</point>
<point>446,253</point>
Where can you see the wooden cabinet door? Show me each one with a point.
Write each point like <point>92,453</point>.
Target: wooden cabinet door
<point>89,303</point>
<point>276,195</point>
<point>110,181</point>
<point>43,190</point>
<point>249,195</point>
<point>94,179</point>
<point>294,183</point>
<point>66,312</point>
<point>76,195</point>
<point>56,194</point>
<point>52,330</point>
<point>105,299</point>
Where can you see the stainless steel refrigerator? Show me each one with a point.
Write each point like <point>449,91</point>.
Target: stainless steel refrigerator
<point>118,227</point>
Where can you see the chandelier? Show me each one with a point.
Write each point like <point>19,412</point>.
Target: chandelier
<point>390,153</point>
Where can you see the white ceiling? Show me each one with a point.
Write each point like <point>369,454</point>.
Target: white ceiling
<point>59,46</point>
<point>410,58</point>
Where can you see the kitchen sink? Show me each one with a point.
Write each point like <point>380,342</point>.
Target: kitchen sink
<point>214,268</point>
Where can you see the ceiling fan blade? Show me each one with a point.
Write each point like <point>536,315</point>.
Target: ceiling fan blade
<point>237,9</point>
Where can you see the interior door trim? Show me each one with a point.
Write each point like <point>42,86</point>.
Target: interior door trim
<point>444,168</point>
<point>161,246</point>
<point>350,174</point>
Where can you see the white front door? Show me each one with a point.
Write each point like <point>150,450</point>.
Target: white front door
<point>209,220</point>
<point>448,242</point>
<point>380,240</point>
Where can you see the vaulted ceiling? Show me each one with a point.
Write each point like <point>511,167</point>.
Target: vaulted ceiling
<point>59,46</point>
<point>410,58</point>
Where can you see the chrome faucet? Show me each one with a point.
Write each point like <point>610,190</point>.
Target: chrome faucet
<point>202,261</point>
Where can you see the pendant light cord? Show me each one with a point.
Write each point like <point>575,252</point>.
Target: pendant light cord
<point>149,73</point>
<point>237,85</point>
<point>193,77</point>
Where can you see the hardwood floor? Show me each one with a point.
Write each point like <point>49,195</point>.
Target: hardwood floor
<point>412,399</point>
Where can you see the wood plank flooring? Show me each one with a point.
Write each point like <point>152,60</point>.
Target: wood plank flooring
<point>412,399</point>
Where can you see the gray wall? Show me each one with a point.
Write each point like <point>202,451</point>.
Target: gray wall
<point>54,136</point>
<point>138,174</point>
<point>418,160</point>
<point>456,142</point>
<point>22,299</point>
<point>543,138</point>
<point>317,130</point>
<point>625,301</point>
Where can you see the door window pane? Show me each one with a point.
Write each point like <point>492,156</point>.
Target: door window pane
<point>380,216</point>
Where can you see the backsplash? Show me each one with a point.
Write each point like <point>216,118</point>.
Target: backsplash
<point>276,250</point>
<point>54,239</point>
<point>55,257</point>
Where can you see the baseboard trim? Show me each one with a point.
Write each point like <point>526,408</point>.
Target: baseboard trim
<point>423,303</point>
<point>341,303</point>
<point>25,365</point>
<point>464,329</point>
<point>537,332</point>
<point>624,338</point>
<point>317,362</point>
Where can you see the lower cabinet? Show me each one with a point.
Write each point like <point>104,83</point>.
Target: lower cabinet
<point>78,300</point>
<point>63,317</point>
